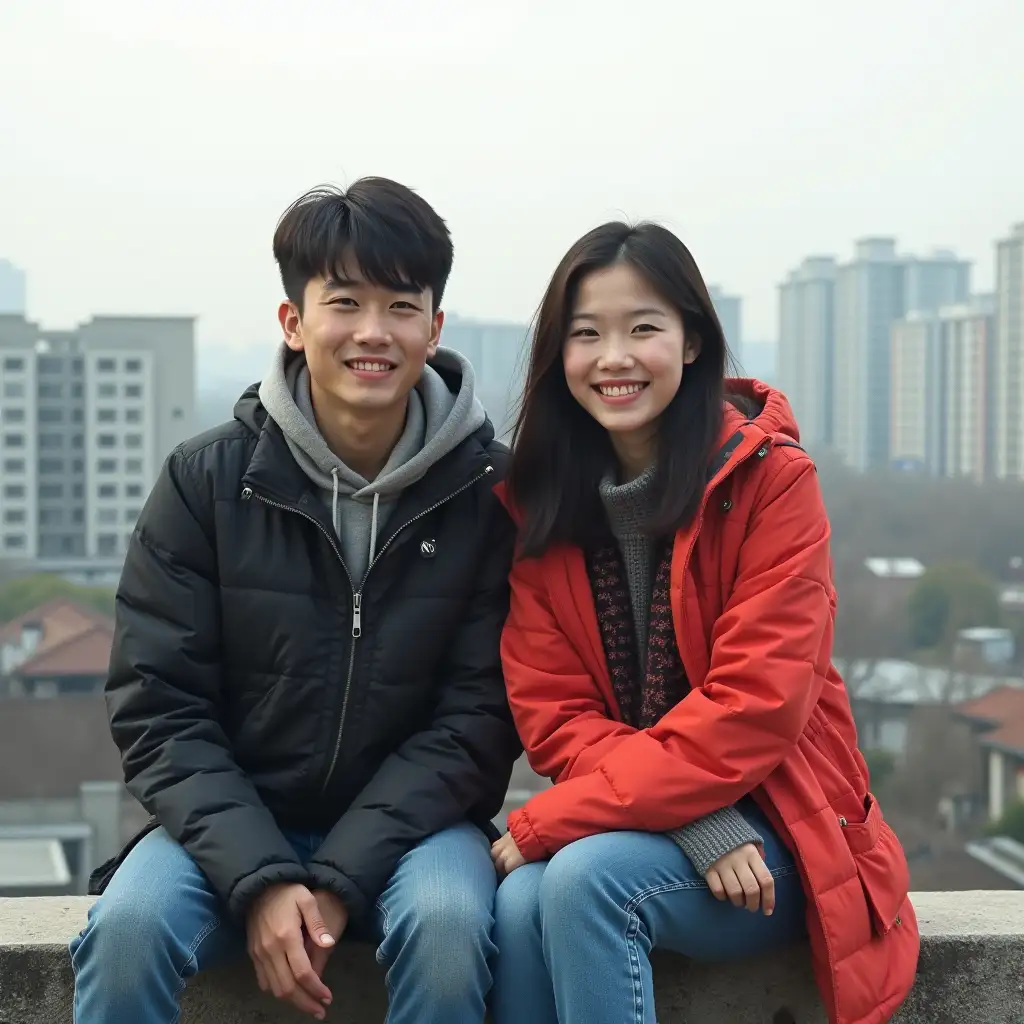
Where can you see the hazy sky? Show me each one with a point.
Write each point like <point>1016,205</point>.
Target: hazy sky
<point>147,149</point>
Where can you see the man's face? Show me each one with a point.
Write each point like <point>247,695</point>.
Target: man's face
<point>365,345</point>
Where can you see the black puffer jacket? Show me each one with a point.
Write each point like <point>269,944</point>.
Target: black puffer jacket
<point>243,703</point>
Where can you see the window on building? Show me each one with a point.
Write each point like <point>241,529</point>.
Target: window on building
<point>14,440</point>
<point>106,544</point>
<point>131,515</point>
<point>78,466</point>
<point>14,515</point>
<point>106,415</point>
<point>14,389</point>
<point>51,467</point>
<point>77,491</point>
<point>77,515</point>
<point>48,442</point>
<point>51,516</point>
<point>13,492</point>
<point>51,414</point>
<point>133,440</point>
<point>13,415</point>
<point>50,391</point>
<point>133,466</point>
<point>106,365</point>
<point>77,416</point>
<point>133,415</point>
<point>107,391</point>
<point>106,441</point>
<point>106,515</point>
<point>133,391</point>
<point>50,364</point>
<point>14,466</point>
<point>107,491</point>
<point>14,364</point>
<point>14,542</point>
<point>51,491</point>
<point>133,491</point>
<point>133,366</point>
<point>77,390</point>
<point>77,441</point>
<point>76,366</point>
<point>106,466</point>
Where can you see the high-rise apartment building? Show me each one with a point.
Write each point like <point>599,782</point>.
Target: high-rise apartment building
<point>12,289</point>
<point>86,419</point>
<point>499,352</point>
<point>806,349</point>
<point>968,347</point>
<point>941,419</point>
<point>730,315</point>
<point>917,424</point>
<point>1008,375</point>
<point>876,288</point>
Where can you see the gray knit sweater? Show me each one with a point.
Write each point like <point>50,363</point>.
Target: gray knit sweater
<point>707,839</point>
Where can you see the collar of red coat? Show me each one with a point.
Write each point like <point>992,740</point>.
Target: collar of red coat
<point>755,413</point>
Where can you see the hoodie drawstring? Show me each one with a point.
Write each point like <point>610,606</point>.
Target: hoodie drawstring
<point>334,504</point>
<point>373,523</point>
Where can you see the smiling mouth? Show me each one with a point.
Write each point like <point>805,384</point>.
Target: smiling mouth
<point>623,390</point>
<point>370,365</point>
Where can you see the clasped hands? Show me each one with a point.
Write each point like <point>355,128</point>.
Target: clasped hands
<point>741,876</point>
<point>291,933</point>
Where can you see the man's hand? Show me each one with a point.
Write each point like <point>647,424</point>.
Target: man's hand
<point>506,855</point>
<point>335,917</point>
<point>274,931</point>
<point>743,878</point>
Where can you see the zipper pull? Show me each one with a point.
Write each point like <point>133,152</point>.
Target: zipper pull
<point>357,616</point>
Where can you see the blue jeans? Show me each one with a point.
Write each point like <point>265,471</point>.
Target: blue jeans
<point>574,933</point>
<point>159,923</point>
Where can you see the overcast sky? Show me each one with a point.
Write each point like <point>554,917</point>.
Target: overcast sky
<point>147,149</point>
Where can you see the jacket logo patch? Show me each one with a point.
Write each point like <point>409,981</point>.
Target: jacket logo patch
<point>428,548</point>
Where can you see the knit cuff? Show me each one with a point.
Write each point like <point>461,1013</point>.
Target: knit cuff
<point>709,838</point>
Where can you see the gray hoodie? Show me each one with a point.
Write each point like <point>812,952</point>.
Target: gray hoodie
<point>437,421</point>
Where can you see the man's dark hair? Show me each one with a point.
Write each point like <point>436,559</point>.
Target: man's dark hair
<point>560,452</point>
<point>394,236</point>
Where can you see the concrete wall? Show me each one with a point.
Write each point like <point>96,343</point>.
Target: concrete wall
<point>972,966</point>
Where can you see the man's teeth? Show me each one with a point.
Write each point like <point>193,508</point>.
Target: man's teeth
<point>362,364</point>
<point>618,390</point>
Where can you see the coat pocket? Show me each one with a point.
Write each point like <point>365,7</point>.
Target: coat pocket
<point>881,866</point>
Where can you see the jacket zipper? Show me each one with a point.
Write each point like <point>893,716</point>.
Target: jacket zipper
<point>357,595</point>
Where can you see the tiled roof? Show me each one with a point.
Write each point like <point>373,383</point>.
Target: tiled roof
<point>995,707</point>
<point>1003,712</point>
<point>82,654</point>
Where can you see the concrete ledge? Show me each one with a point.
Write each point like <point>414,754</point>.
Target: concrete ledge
<point>972,969</point>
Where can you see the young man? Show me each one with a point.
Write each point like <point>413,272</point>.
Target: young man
<point>305,683</point>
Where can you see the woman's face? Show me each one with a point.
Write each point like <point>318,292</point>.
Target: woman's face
<point>624,356</point>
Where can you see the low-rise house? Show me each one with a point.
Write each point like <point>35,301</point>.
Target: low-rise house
<point>59,648</point>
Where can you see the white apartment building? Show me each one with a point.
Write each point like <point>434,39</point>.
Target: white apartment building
<point>915,441</point>
<point>1008,376</point>
<point>86,419</point>
<point>940,386</point>
<point>876,288</point>
<point>806,349</point>
<point>968,347</point>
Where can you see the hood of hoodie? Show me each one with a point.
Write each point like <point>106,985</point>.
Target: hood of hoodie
<point>438,420</point>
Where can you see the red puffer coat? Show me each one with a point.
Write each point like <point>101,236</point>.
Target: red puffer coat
<point>754,607</point>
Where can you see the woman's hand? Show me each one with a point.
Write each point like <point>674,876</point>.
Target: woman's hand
<point>506,855</point>
<point>742,877</point>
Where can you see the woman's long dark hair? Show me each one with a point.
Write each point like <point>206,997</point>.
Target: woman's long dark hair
<point>561,452</point>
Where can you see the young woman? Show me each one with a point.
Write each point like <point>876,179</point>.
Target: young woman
<point>668,662</point>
